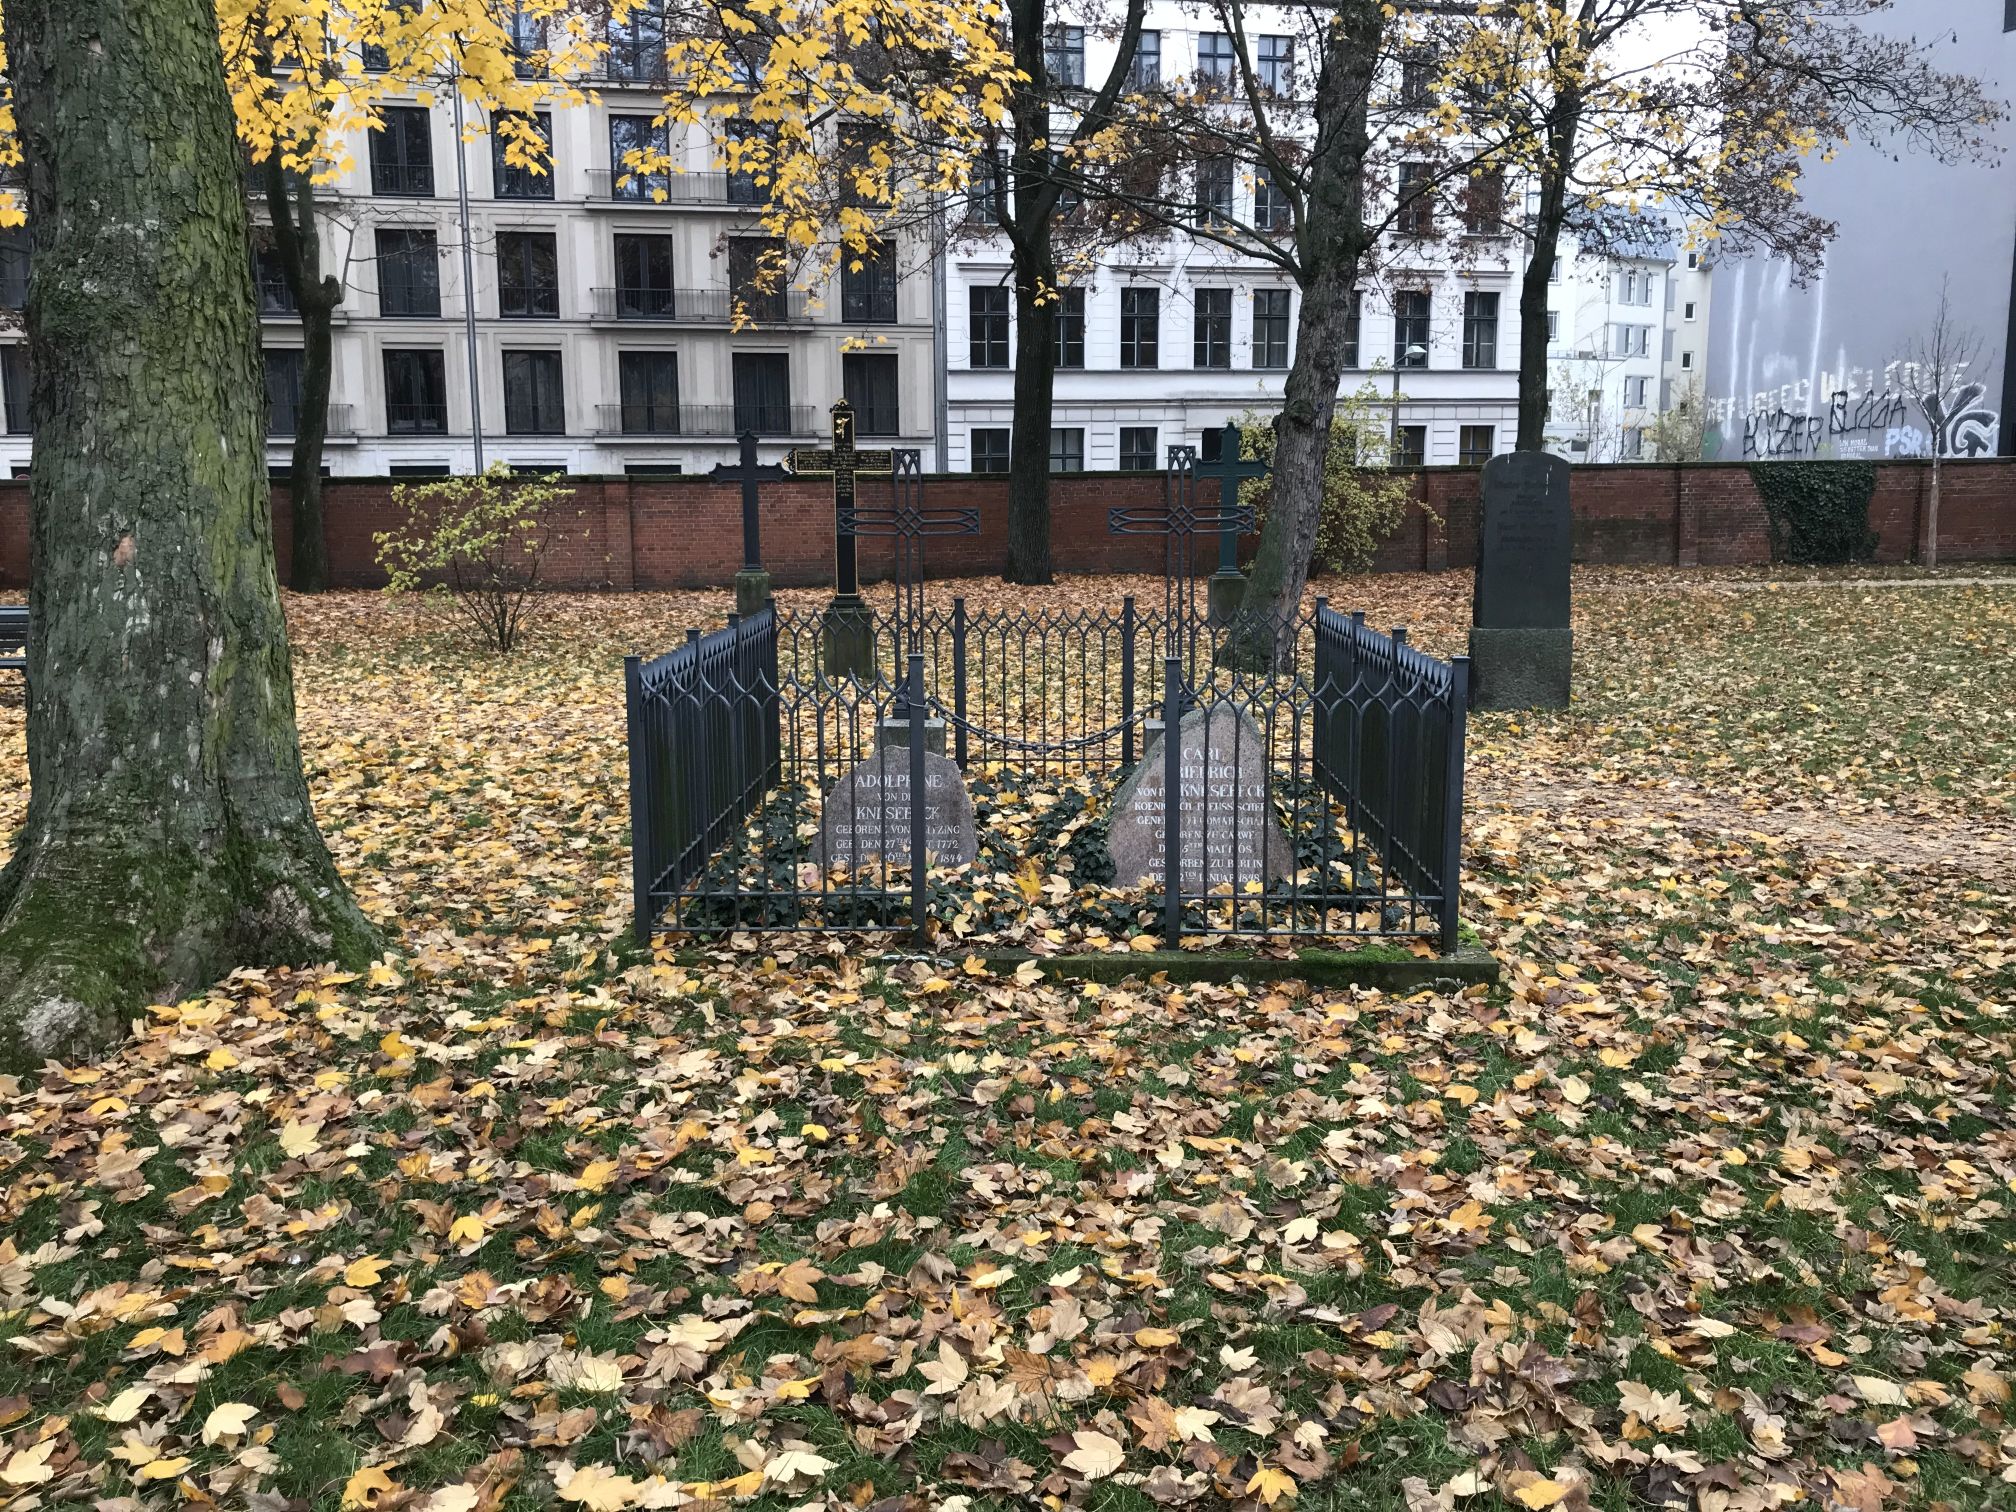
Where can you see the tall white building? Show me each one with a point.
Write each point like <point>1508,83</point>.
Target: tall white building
<point>1626,325</point>
<point>603,341</point>
<point>1160,346</point>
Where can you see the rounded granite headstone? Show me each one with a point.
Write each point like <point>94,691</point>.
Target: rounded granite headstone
<point>1227,829</point>
<point>867,813</point>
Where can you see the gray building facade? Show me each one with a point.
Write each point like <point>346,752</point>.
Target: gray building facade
<point>1830,369</point>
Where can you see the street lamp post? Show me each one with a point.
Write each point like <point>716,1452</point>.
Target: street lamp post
<point>1407,358</point>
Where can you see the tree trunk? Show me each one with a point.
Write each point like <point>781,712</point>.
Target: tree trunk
<point>169,837</point>
<point>1548,219</point>
<point>1332,244</point>
<point>1932,510</point>
<point>298,240</point>
<point>1029,441</point>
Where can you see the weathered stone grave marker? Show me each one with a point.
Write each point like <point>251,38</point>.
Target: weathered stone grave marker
<point>1521,646</point>
<point>867,814</point>
<point>1226,828</point>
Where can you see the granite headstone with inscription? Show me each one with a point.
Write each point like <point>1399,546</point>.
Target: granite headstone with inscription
<point>1521,647</point>
<point>867,814</point>
<point>1227,832</point>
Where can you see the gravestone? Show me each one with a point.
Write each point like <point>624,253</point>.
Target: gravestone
<point>1521,646</point>
<point>867,815</point>
<point>1226,828</point>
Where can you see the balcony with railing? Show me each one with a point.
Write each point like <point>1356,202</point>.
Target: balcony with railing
<point>625,187</point>
<point>416,417</point>
<point>651,420</point>
<point>698,306</point>
<point>877,420</point>
<point>283,421</point>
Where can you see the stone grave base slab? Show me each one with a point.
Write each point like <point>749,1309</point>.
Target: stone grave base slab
<point>1520,669</point>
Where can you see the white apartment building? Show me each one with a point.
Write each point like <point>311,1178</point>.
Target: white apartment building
<point>1161,346</point>
<point>602,336</point>
<point>1614,328</point>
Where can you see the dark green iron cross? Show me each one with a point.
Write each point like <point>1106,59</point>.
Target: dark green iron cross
<point>1231,470</point>
<point>843,462</point>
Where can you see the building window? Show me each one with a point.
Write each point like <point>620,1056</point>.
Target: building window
<point>1631,341</point>
<point>1270,327</point>
<point>282,367</point>
<point>1634,392</point>
<point>1070,328</point>
<point>1272,208</point>
<point>1417,81</point>
<point>1686,362</point>
<point>652,469</point>
<point>1416,213</point>
<point>416,393</point>
<point>376,59</point>
<point>1480,330</point>
<point>1067,449</point>
<point>1214,59</point>
<point>989,449</point>
<point>1634,443</point>
<point>1687,310</point>
<point>1140,328</point>
<point>636,49</point>
<point>987,327</point>
<point>1064,55</point>
<point>1212,333</point>
<point>1146,72</point>
<point>648,384</point>
<point>644,277</point>
<point>14,268</point>
<point>868,285</point>
<point>1484,204</point>
<point>1413,450</point>
<point>1137,448</point>
<point>14,387</point>
<point>763,393</point>
<point>987,195</point>
<point>528,275</point>
<point>1474,445</point>
<point>1214,190</point>
<point>402,153</point>
<point>637,178</point>
<point>534,401</point>
<point>269,278</point>
<point>1411,310</point>
<point>749,148</point>
<point>1694,258</point>
<point>1553,325</point>
<point>1554,271</point>
<point>868,379</point>
<point>756,276</point>
<point>509,180</point>
<point>409,272</point>
<point>1352,323</point>
<point>1274,64</point>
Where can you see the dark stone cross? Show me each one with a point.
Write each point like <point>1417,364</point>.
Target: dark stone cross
<point>849,626</point>
<point>1228,584</point>
<point>752,583</point>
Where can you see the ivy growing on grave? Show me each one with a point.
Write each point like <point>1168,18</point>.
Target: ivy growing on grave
<point>1818,511</point>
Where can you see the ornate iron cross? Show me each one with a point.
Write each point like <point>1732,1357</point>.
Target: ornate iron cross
<point>1231,470</point>
<point>910,520</point>
<point>843,463</point>
<point>1180,521</point>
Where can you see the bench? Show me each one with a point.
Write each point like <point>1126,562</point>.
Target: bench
<point>14,639</point>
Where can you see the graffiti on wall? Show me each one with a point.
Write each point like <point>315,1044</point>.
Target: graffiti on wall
<point>1902,416</point>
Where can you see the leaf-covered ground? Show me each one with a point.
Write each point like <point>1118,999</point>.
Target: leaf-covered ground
<point>1707,1206</point>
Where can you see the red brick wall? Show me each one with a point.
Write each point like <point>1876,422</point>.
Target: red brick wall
<point>686,532</point>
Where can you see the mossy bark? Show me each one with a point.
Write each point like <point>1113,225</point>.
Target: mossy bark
<point>1331,245</point>
<point>169,837</point>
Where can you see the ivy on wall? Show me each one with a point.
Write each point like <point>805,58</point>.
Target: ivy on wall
<point>1818,511</point>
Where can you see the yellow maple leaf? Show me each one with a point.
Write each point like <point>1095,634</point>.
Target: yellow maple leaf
<point>163,1469</point>
<point>368,1487</point>
<point>596,1175</point>
<point>30,1466</point>
<point>599,1488</point>
<point>1541,1493</point>
<point>468,1229</point>
<point>1270,1485</point>
<point>363,1271</point>
<point>227,1420</point>
<point>298,1138</point>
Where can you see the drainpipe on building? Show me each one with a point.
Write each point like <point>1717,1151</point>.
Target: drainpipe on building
<point>468,272</point>
<point>941,392</point>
